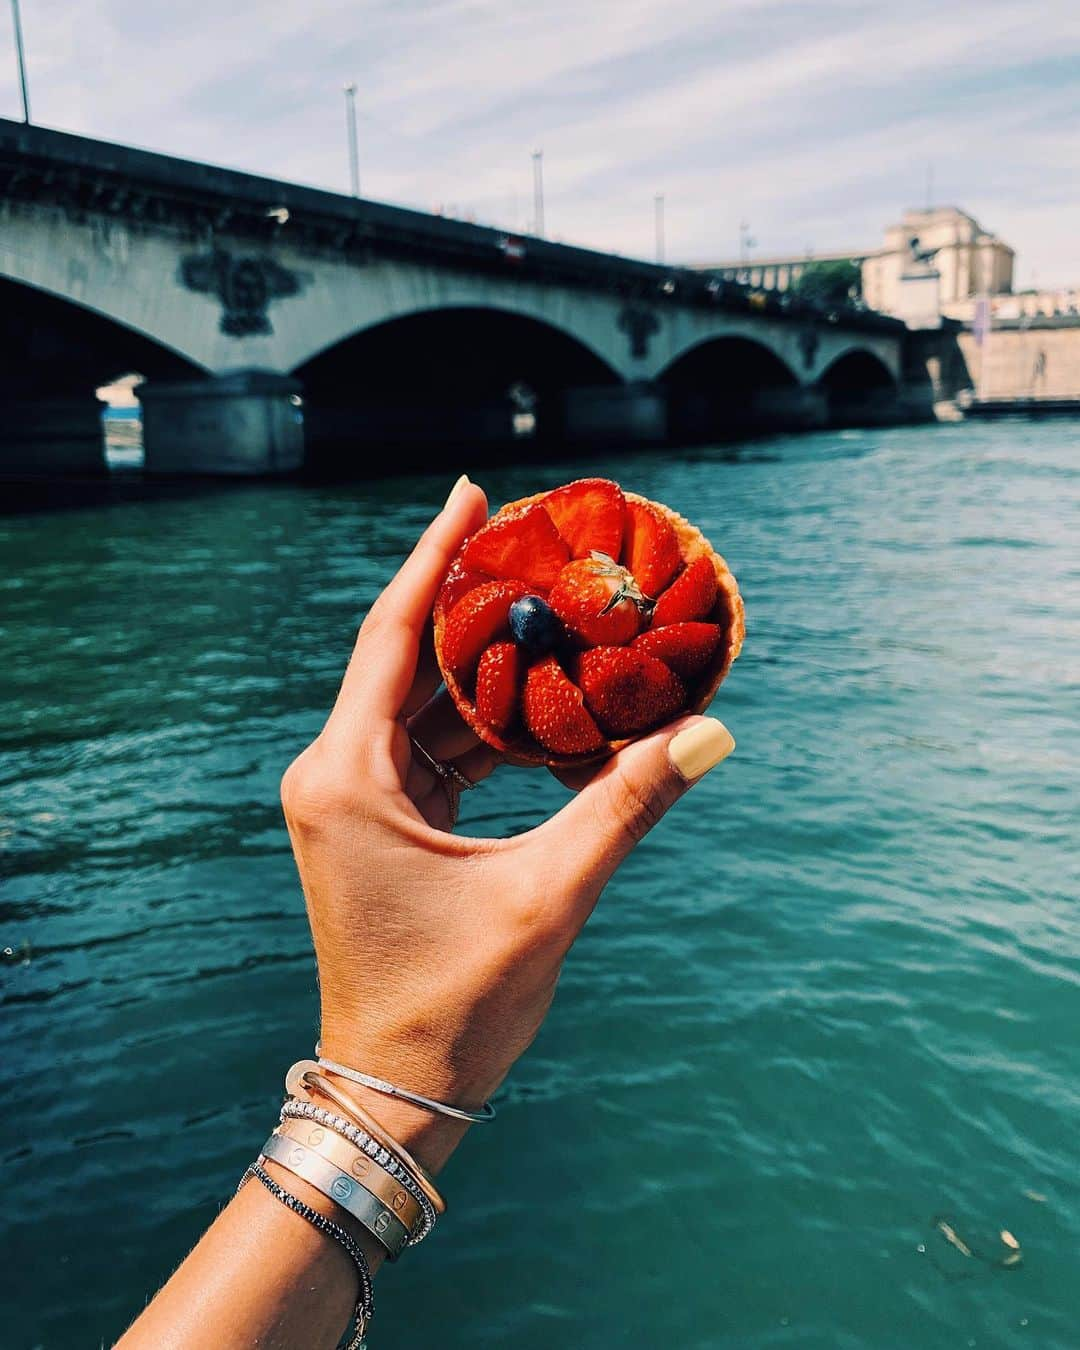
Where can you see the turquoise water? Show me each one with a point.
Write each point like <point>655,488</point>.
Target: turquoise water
<point>833,999</point>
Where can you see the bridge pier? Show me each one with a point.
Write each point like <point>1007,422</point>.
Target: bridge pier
<point>890,405</point>
<point>796,407</point>
<point>244,423</point>
<point>616,414</point>
<point>372,436</point>
<point>702,417</point>
<point>48,437</point>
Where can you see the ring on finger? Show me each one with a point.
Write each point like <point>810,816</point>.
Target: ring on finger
<point>448,772</point>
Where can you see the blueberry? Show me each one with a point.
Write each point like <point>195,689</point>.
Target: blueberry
<point>534,625</point>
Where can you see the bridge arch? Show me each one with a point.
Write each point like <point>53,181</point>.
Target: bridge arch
<point>727,386</point>
<point>53,345</point>
<point>54,354</point>
<point>859,388</point>
<point>479,376</point>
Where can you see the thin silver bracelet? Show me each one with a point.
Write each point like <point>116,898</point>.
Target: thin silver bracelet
<point>365,1302</point>
<point>486,1112</point>
<point>294,1110</point>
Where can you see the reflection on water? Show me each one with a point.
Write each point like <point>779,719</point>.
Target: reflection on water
<point>827,1008</point>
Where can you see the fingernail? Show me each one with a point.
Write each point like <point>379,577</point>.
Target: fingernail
<point>700,748</point>
<point>461,482</point>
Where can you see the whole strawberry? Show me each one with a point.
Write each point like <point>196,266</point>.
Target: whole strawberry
<point>599,601</point>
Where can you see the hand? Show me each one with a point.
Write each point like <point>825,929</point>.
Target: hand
<point>438,955</point>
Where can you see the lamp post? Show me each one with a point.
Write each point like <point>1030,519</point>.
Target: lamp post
<point>20,56</point>
<point>350,126</point>
<point>659,206</point>
<point>538,193</point>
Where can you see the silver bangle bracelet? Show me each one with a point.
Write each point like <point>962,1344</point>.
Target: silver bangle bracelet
<point>294,1110</point>
<point>486,1112</point>
<point>336,1185</point>
<point>365,1301</point>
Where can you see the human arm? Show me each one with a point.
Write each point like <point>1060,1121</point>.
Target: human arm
<point>438,955</point>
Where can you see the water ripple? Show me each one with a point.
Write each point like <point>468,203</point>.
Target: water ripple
<point>830,999</point>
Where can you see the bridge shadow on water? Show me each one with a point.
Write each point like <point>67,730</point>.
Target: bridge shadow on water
<point>422,481</point>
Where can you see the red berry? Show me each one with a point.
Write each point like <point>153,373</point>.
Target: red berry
<point>478,619</point>
<point>521,545</point>
<point>650,547</point>
<point>628,691</point>
<point>458,583</point>
<point>499,677</point>
<point>589,516</point>
<point>685,648</point>
<point>690,596</point>
<point>555,711</point>
<point>598,601</point>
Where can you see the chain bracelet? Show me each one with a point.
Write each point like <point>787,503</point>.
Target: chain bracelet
<point>365,1302</point>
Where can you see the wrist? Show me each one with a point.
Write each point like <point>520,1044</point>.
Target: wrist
<point>428,1136</point>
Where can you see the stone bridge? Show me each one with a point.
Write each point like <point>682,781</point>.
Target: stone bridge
<point>271,321</point>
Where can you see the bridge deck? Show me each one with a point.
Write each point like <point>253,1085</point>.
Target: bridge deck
<point>86,175</point>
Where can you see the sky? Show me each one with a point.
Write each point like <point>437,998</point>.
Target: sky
<point>817,122</point>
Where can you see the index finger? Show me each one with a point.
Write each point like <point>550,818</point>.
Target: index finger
<point>383,664</point>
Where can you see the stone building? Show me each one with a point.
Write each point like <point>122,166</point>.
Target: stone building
<point>969,261</point>
<point>934,262</point>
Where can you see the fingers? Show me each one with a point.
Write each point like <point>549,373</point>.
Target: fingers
<point>428,676</point>
<point>613,812</point>
<point>431,796</point>
<point>422,779</point>
<point>383,667</point>
<point>478,763</point>
<point>439,728</point>
<point>576,779</point>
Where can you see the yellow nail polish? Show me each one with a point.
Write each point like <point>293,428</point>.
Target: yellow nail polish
<point>700,748</point>
<point>461,482</point>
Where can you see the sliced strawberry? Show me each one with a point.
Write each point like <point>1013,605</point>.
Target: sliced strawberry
<point>555,711</point>
<point>650,547</point>
<point>685,648</point>
<point>499,678</point>
<point>480,617</point>
<point>599,602</point>
<point>458,582</point>
<point>518,545</point>
<point>628,691</point>
<point>690,596</point>
<point>589,516</point>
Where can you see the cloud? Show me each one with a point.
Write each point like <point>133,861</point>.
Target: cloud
<point>813,119</point>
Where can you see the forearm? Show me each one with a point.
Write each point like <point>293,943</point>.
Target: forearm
<point>264,1276</point>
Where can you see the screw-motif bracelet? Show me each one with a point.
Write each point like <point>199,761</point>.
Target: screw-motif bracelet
<point>365,1302</point>
<point>310,1166</point>
<point>298,1110</point>
<point>354,1162</point>
<point>305,1077</point>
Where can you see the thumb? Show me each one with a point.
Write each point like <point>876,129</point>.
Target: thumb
<point>630,794</point>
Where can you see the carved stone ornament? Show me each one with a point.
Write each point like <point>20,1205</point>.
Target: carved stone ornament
<point>244,285</point>
<point>639,325</point>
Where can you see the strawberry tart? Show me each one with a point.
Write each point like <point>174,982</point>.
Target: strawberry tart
<point>578,619</point>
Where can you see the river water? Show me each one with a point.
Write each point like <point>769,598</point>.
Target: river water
<point>832,1004</point>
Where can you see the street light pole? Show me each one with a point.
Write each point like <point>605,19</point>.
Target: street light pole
<point>538,193</point>
<point>350,126</point>
<point>659,204</point>
<point>21,59</point>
